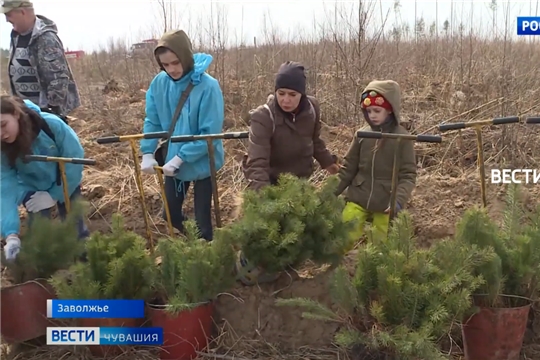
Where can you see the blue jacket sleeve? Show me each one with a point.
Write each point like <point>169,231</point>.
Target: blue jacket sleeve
<point>211,117</point>
<point>9,221</point>
<point>69,146</point>
<point>151,122</point>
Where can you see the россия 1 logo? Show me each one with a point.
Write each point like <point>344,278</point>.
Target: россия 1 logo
<point>528,25</point>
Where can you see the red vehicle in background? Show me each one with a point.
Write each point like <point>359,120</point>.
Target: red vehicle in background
<point>78,54</point>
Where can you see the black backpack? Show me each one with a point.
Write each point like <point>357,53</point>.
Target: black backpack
<point>51,111</point>
<point>47,130</point>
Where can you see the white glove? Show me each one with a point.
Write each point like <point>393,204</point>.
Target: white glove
<point>148,163</point>
<point>12,247</point>
<point>40,200</point>
<point>170,168</point>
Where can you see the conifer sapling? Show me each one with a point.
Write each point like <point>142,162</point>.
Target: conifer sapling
<point>288,223</point>
<point>514,269</point>
<point>192,271</point>
<point>118,266</point>
<point>401,298</point>
<point>49,245</point>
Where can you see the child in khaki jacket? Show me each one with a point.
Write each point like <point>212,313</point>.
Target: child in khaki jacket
<point>367,168</point>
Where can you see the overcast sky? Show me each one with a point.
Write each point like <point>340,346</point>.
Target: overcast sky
<point>88,24</point>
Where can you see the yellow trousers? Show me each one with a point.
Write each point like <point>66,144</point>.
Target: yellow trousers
<point>357,214</point>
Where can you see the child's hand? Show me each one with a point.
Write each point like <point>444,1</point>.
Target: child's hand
<point>398,208</point>
<point>333,169</point>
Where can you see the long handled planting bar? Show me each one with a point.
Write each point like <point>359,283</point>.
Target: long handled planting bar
<point>132,139</point>
<point>477,126</point>
<point>159,172</point>
<point>213,173</point>
<point>395,165</point>
<point>532,120</point>
<point>61,161</point>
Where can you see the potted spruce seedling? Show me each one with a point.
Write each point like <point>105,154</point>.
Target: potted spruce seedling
<point>191,274</point>
<point>48,246</point>
<point>401,298</point>
<point>496,329</point>
<point>284,225</point>
<point>119,267</point>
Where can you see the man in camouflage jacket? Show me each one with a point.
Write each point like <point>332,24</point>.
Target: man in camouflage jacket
<point>38,68</point>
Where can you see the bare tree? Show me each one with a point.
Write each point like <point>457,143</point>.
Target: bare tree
<point>169,15</point>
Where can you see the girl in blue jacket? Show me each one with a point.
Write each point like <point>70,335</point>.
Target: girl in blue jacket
<point>25,130</point>
<point>185,163</point>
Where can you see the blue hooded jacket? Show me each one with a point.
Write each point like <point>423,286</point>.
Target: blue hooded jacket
<point>37,175</point>
<point>203,113</point>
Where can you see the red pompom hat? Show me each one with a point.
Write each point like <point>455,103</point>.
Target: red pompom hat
<point>373,98</point>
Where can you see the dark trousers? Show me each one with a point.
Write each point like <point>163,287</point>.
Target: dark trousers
<point>62,211</point>
<point>176,190</point>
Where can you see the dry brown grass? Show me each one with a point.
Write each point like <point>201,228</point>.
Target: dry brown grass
<point>443,79</point>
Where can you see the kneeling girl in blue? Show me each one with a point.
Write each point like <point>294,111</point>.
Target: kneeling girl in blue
<point>25,130</point>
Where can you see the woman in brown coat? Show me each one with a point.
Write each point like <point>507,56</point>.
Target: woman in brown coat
<point>284,137</point>
<point>284,133</point>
